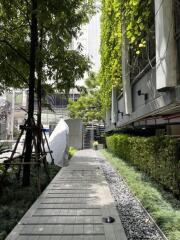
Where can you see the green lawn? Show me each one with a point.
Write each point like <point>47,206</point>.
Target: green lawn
<point>16,200</point>
<point>162,206</point>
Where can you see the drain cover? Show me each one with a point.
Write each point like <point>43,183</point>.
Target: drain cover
<point>108,219</point>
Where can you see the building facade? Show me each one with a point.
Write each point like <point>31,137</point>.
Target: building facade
<point>150,99</point>
<point>89,42</point>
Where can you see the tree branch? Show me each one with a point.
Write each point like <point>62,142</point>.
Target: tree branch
<point>18,73</point>
<point>20,54</point>
<point>28,20</point>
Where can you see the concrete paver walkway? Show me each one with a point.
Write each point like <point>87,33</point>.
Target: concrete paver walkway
<point>73,206</point>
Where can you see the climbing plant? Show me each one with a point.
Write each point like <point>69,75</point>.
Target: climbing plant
<point>110,74</point>
<point>137,16</point>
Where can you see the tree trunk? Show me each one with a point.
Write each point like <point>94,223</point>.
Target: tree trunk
<point>29,133</point>
<point>39,94</point>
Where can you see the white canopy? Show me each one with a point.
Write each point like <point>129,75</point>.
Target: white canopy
<point>58,143</point>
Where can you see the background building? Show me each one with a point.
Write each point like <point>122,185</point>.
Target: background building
<point>89,40</point>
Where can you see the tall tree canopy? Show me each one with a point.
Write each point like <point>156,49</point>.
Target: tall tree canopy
<point>88,106</point>
<point>58,22</point>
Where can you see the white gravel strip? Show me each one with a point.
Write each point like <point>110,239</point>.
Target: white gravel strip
<point>136,222</point>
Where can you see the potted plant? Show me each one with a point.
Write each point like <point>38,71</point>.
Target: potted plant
<point>95,145</point>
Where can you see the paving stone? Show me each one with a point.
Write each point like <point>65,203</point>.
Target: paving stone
<point>73,206</point>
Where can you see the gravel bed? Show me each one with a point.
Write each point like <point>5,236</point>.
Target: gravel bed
<point>135,220</point>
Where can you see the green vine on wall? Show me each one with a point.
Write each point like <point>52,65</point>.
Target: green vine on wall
<point>111,43</point>
<point>138,16</point>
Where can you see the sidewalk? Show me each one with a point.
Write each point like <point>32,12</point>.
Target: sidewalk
<point>73,206</point>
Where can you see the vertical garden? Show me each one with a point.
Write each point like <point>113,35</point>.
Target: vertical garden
<point>137,16</point>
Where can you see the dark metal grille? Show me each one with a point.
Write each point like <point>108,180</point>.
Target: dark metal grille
<point>60,100</point>
<point>177,18</point>
<point>177,30</point>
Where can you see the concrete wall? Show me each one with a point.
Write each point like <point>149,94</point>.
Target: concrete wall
<point>114,110</point>
<point>166,50</point>
<point>147,84</point>
<point>121,109</point>
<point>142,108</point>
<point>75,133</point>
<point>3,130</point>
<point>173,130</point>
<point>126,72</point>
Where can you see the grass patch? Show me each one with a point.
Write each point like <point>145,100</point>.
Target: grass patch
<point>15,200</point>
<point>162,206</point>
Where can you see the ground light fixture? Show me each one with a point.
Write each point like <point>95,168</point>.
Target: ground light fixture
<point>108,219</point>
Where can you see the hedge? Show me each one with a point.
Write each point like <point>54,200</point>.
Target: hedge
<point>157,156</point>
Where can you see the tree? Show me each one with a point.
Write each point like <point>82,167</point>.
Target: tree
<point>68,68</point>
<point>56,30</point>
<point>34,35</point>
<point>14,45</point>
<point>32,70</point>
<point>88,106</point>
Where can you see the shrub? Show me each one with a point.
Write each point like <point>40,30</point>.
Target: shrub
<point>157,156</point>
<point>71,152</point>
<point>95,145</point>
